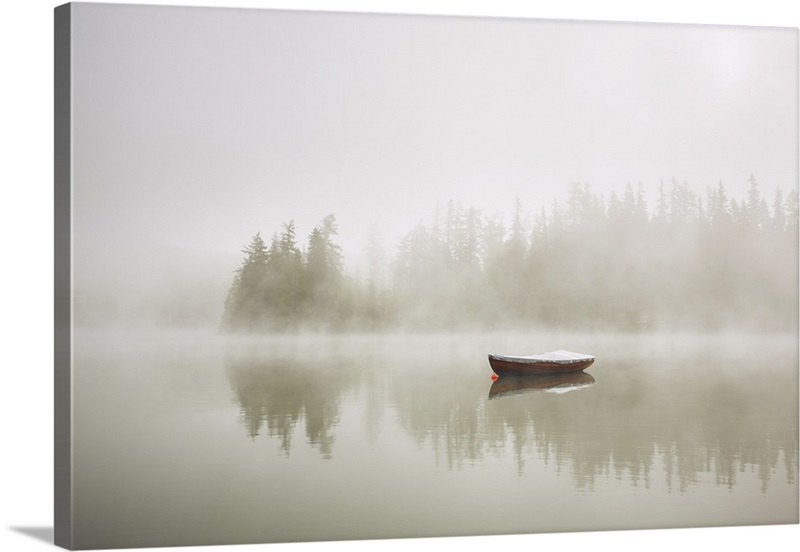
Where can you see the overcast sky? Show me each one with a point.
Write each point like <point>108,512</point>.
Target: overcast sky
<point>196,128</point>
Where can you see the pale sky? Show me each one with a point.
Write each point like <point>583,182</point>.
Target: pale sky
<point>195,128</point>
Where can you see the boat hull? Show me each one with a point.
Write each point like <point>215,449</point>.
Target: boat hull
<point>503,366</point>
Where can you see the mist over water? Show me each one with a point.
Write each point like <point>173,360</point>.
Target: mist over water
<point>283,308</point>
<point>365,403</point>
<point>700,260</point>
<point>234,410</point>
<point>501,172</point>
<point>212,438</point>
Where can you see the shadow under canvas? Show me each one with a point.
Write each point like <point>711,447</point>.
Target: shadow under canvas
<point>44,534</point>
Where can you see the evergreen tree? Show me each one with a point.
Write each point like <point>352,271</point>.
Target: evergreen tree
<point>492,250</point>
<point>792,213</point>
<point>615,209</point>
<point>683,204</point>
<point>376,260</point>
<point>517,241</point>
<point>324,269</point>
<point>576,204</point>
<point>244,306</point>
<point>582,265</point>
<point>718,208</point>
<point>454,236</point>
<point>640,208</point>
<point>778,212</point>
<point>287,282</point>
<point>375,310</point>
<point>756,212</point>
<point>324,255</point>
<point>317,258</point>
<point>539,236</point>
<point>661,216</point>
<point>413,261</point>
<point>739,216</point>
<point>469,253</point>
<point>629,204</point>
<point>700,212</point>
<point>333,250</point>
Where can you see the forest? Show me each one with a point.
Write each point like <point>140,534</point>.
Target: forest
<point>695,261</point>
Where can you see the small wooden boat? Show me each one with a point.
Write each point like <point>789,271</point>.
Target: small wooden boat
<point>547,383</point>
<point>556,362</point>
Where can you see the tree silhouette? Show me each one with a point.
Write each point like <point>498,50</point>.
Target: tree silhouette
<point>324,269</point>
<point>245,306</point>
<point>703,262</point>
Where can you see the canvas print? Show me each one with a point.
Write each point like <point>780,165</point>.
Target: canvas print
<point>328,276</point>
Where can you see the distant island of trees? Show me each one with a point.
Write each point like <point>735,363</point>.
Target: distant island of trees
<point>696,261</point>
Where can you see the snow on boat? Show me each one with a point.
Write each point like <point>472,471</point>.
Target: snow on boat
<point>556,362</point>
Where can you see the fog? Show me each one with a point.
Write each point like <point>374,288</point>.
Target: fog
<point>705,263</point>
<point>212,438</point>
<point>480,173</point>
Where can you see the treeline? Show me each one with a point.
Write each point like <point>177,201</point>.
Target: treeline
<point>694,260</point>
<point>279,285</point>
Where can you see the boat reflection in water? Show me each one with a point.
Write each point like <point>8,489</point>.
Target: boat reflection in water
<point>550,383</point>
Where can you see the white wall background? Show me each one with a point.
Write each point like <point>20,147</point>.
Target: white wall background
<point>26,390</point>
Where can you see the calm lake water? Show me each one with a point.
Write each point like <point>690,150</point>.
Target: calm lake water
<point>193,438</point>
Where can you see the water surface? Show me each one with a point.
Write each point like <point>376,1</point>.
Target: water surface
<point>197,438</point>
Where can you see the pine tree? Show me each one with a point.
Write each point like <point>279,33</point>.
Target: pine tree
<point>640,208</point>
<point>517,241</point>
<point>615,210</point>
<point>376,260</point>
<point>539,233</point>
<point>778,212</point>
<point>470,250</point>
<point>287,287</point>
<point>718,208</point>
<point>324,268</point>
<point>756,212</point>
<point>493,232</point>
<point>244,305</point>
<point>333,250</point>
<point>317,258</point>
<point>683,205</point>
<point>792,212</point>
<point>739,217</point>
<point>661,216</point>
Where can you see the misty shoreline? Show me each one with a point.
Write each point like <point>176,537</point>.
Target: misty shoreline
<point>708,263</point>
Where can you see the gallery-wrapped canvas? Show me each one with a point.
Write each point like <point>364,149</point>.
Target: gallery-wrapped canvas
<point>289,244</point>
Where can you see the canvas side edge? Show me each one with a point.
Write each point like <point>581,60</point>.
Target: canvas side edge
<point>62,308</point>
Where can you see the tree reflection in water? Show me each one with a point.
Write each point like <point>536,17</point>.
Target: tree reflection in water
<point>633,420</point>
<point>275,393</point>
<point>630,421</point>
